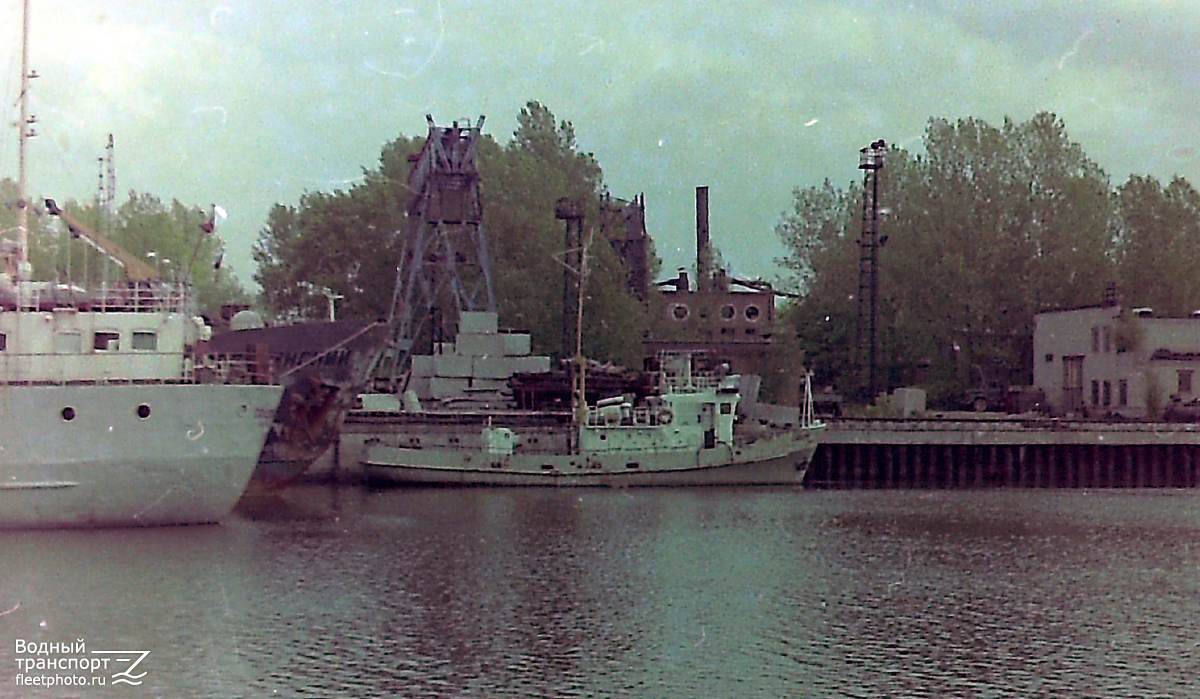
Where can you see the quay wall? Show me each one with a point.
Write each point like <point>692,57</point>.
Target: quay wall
<point>940,453</point>
<point>1005,453</point>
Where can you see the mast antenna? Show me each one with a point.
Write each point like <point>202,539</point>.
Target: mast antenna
<point>110,185</point>
<point>26,131</point>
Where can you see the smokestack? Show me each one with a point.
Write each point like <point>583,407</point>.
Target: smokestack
<point>703,249</point>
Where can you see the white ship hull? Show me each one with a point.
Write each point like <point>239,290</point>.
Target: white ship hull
<point>128,454</point>
<point>781,459</point>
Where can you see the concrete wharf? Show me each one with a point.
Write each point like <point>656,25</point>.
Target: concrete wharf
<point>1007,452</point>
<point>960,451</point>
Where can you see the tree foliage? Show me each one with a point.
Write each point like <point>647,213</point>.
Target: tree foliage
<point>1158,244</point>
<point>168,236</point>
<point>988,227</point>
<point>350,241</point>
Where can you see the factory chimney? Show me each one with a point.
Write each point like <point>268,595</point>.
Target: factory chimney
<point>703,246</point>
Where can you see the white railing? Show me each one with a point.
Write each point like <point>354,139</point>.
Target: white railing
<point>145,297</point>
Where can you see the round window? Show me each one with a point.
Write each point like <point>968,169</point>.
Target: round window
<point>728,312</point>
<point>680,311</point>
<point>752,312</point>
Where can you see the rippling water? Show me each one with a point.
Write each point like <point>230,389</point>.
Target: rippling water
<point>632,593</point>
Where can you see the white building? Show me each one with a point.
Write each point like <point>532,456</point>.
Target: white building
<point>1106,360</point>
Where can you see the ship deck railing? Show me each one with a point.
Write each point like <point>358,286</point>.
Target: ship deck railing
<point>236,368</point>
<point>137,297</point>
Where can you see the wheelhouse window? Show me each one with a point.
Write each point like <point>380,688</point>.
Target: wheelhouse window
<point>145,341</point>
<point>106,341</point>
<point>3,342</point>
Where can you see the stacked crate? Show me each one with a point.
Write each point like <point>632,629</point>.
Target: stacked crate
<point>474,370</point>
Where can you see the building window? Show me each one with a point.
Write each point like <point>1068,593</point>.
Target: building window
<point>1050,358</point>
<point>1095,392</point>
<point>1095,339</point>
<point>1107,392</point>
<point>1107,332</point>
<point>1185,380</point>
<point>1123,392</point>
<point>3,342</point>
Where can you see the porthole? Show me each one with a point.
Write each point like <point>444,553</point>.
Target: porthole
<point>728,312</point>
<point>680,311</point>
<point>143,411</point>
<point>752,313</point>
<point>68,413</point>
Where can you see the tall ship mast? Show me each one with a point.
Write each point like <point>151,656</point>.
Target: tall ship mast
<point>25,128</point>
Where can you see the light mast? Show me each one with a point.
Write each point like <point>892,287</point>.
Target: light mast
<point>25,128</point>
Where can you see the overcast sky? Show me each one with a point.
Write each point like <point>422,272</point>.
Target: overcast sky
<point>251,103</point>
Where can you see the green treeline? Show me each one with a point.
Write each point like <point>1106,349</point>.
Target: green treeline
<point>350,241</point>
<point>170,237</point>
<point>988,227</point>
<point>985,227</point>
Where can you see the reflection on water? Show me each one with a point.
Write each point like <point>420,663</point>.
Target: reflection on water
<point>632,593</point>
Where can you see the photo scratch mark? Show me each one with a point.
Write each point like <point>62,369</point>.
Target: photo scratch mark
<point>223,112</point>
<point>437,47</point>
<point>1074,49</point>
<point>219,10</point>
<point>596,44</point>
<point>196,433</point>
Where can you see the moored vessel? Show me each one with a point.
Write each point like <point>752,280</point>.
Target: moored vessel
<point>689,432</point>
<point>103,421</point>
<point>323,366</point>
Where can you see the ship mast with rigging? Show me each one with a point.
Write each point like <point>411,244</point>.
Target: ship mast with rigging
<point>25,123</point>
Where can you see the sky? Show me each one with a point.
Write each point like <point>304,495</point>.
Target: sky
<point>248,104</point>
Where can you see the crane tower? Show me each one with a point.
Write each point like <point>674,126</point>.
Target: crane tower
<point>444,269</point>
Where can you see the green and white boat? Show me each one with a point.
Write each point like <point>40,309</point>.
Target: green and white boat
<point>688,433</point>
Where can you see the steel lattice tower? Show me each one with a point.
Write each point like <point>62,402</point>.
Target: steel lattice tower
<point>870,162</point>
<point>444,269</point>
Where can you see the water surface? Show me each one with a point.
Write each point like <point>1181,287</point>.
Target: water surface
<point>713,592</point>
